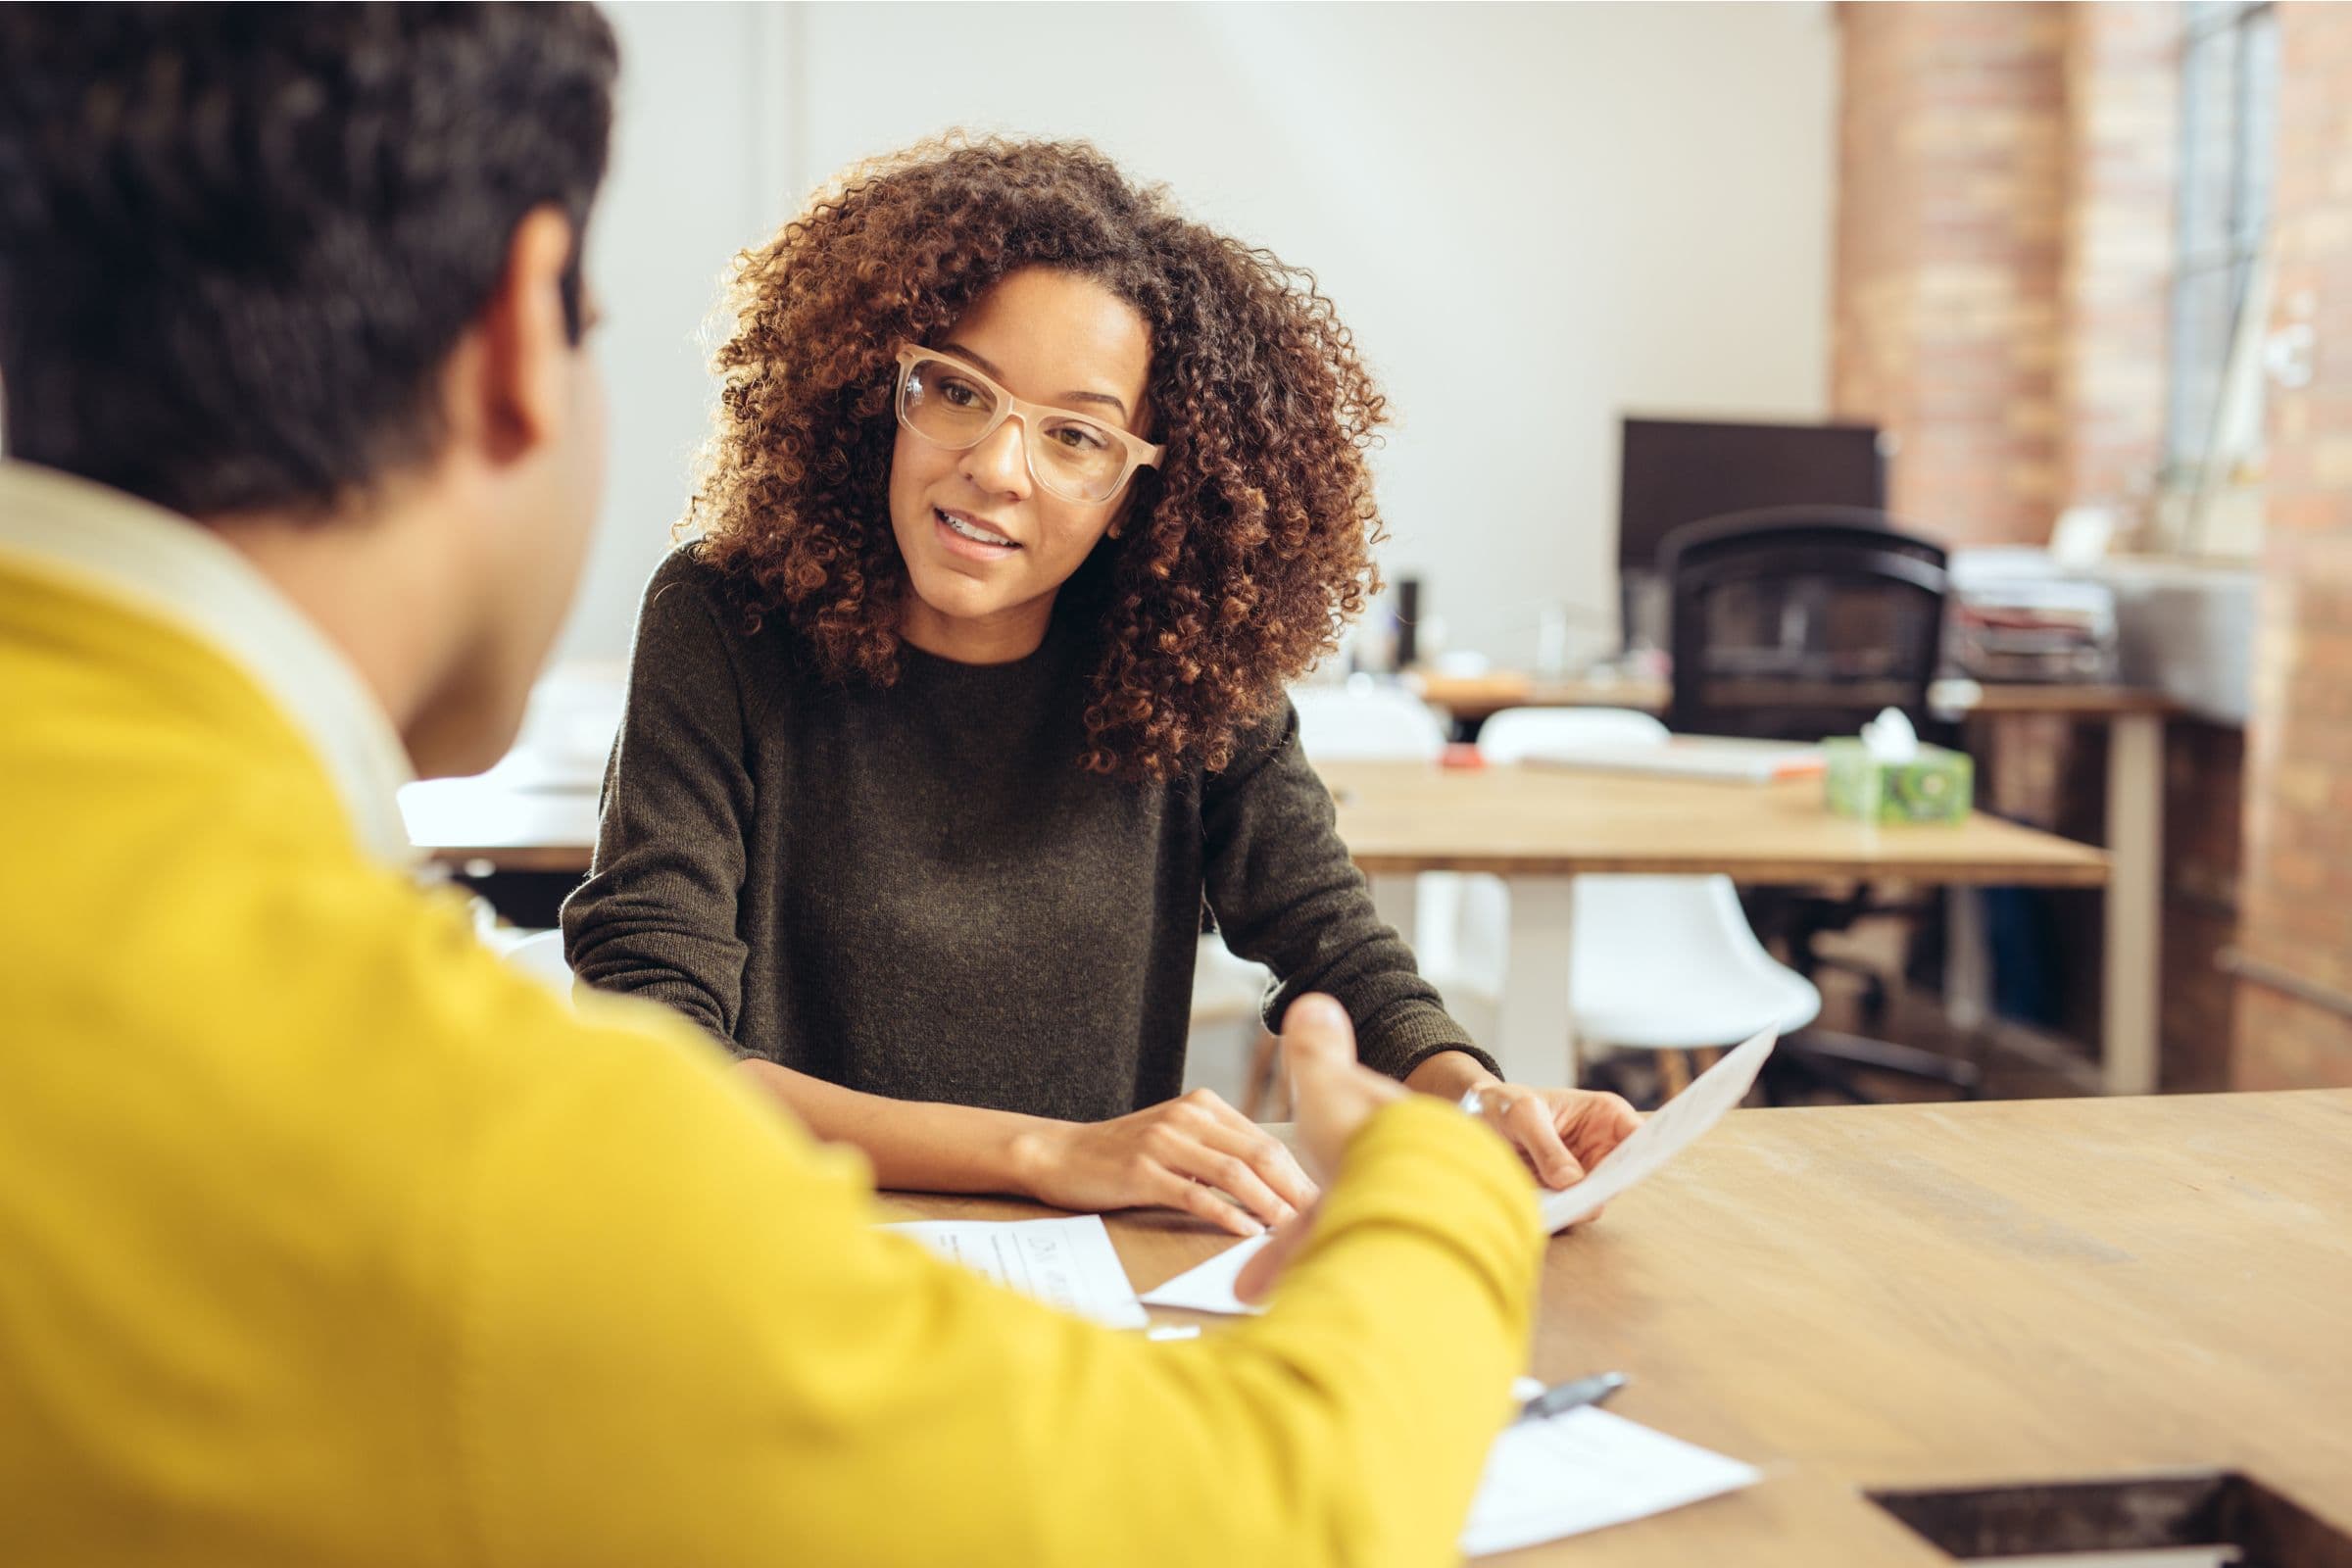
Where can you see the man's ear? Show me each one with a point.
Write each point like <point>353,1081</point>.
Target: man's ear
<point>522,369</point>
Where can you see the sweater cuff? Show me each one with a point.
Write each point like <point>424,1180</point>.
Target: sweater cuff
<point>674,998</point>
<point>1416,1033</point>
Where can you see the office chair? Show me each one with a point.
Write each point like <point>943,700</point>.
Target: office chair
<point>1794,623</point>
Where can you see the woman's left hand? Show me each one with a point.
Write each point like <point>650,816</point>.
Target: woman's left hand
<point>1561,1133</point>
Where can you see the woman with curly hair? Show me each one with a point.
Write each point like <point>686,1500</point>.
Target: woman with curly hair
<point>1028,498</point>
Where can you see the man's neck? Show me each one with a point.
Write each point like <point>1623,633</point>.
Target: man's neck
<point>362,580</point>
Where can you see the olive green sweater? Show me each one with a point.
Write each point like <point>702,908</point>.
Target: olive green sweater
<point>916,891</point>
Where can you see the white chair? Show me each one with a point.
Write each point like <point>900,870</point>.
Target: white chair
<point>1516,734</point>
<point>541,956</point>
<point>1665,964</point>
<point>1221,1044</point>
<point>1365,723</point>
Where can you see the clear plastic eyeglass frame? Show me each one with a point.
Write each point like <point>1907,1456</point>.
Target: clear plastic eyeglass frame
<point>1137,452</point>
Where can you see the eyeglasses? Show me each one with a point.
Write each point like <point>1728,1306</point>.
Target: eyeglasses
<point>946,401</point>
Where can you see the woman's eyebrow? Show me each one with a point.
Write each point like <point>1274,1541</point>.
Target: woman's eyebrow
<point>959,350</point>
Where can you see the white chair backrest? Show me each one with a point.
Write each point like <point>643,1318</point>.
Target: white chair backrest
<point>1375,724</point>
<point>568,728</point>
<point>1615,914</point>
<point>1516,734</point>
<point>542,958</point>
<point>1695,919</point>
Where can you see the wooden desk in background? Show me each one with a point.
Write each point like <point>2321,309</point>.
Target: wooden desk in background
<point>1538,827</point>
<point>1916,1296</point>
<point>2132,954</point>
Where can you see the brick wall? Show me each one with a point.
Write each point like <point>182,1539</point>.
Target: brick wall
<point>2296,923</point>
<point>2003,273</point>
<point>1951,172</point>
<point>2004,253</point>
<point>2122,92</point>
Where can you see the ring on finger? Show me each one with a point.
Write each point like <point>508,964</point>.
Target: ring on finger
<point>1488,1098</point>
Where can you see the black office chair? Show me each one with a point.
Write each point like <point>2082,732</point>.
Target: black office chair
<point>1794,623</point>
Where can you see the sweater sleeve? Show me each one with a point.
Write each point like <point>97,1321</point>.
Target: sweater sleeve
<point>657,917</point>
<point>706,1353</point>
<point>1286,894</point>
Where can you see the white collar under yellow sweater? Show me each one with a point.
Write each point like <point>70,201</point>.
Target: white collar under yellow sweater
<point>118,544</point>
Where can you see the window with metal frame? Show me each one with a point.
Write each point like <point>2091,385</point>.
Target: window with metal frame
<point>2228,130</point>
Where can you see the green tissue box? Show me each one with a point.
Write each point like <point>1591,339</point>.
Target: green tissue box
<point>1936,786</point>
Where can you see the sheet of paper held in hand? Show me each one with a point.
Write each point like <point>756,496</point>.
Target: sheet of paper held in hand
<point>1069,1263</point>
<point>1208,1288</point>
<point>1663,1134</point>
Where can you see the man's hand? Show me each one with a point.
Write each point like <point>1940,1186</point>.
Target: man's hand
<point>1331,1095</point>
<point>1333,1098</point>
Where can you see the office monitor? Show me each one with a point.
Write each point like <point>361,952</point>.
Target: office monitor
<point>1682,470</point>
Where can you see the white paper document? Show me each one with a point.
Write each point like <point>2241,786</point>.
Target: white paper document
<point>1208,1287</point>
<point>1727,759</point>
<point>1583,1471</point>
<point>1069,1263</point>
<point>1662,1135</point>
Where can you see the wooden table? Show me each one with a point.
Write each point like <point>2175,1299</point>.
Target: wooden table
<point>2132,951</point>
<point>1920,1297</point>
<point>1482,697</point>
<point>1540,828</point>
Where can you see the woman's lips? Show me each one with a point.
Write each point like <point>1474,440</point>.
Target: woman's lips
<point>964,535</point>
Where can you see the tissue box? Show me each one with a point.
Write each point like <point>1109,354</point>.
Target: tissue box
<point>1935,786</point>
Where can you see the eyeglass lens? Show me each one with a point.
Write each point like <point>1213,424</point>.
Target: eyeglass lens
<point>1072,457</point>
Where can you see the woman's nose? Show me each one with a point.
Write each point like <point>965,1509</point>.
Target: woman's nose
<point>999,463</point>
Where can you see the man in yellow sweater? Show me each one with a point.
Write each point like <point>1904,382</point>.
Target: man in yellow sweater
<point>325,1239</point>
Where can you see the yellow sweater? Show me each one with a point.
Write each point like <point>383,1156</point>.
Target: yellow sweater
<point>325,1239</point>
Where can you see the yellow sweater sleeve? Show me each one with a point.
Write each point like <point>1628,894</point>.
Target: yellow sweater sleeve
<point>684,1342</point>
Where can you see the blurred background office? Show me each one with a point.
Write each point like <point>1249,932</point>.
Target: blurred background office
<point>2046,263</point>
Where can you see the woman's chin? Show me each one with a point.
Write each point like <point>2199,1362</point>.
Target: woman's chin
<point>953,596</point>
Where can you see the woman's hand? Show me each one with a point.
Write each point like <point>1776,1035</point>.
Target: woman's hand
<point>1561,1133</point>
<point>1181,1153</point>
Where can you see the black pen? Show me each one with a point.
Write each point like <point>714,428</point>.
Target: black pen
<point>1564,1396</point>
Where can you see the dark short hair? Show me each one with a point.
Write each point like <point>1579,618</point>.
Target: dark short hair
<point>238,242</point>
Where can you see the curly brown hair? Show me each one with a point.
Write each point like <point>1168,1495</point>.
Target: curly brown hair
<point>1241,558</point>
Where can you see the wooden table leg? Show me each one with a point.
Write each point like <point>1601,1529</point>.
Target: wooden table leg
<point>1966,960</point>
<point>1674,1074</point>
<point>1534,1026</point>
<point>2134,952</point>
<point>1967,951</point>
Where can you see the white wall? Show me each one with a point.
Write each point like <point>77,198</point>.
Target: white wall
<point>701,167</point>
<point>1534,216</point>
